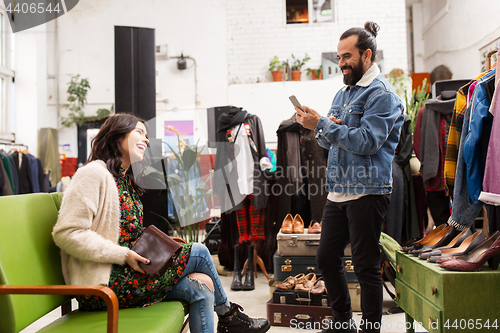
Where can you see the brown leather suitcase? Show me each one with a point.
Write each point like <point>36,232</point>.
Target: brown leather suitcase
<point>299,316</point>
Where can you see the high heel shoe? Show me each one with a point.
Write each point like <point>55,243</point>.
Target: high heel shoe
<point>442,238</point>
<point>287,225</point>
<point>477,257</point>
<point>298,224</point>
<point>453,244</point>
<point>426,238</point>
<point>467,246</point>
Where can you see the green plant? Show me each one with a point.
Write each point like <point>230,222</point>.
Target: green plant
<point>418,99</point>
<point>298,63</point>
<point>77,98</point>
<point>318,71</point>
<point>187,191</point>
<point>275,64</point>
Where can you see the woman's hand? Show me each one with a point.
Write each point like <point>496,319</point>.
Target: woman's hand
<point>133,260</point>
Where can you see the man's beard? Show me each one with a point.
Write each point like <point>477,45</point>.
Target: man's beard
<point>356,73</point>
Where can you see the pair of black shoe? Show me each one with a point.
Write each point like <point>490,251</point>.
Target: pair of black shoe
<point>235,321</point>
<point>237,283</point>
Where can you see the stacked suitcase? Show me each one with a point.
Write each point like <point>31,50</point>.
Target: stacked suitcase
<point>296,254</point>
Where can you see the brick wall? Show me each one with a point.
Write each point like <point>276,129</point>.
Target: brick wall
<point>257,31</point>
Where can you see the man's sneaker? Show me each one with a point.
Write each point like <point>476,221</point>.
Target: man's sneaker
<point>235,321</point>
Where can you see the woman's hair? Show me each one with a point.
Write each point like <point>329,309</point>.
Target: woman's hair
<point>366,37</point>
<point>106,144</point>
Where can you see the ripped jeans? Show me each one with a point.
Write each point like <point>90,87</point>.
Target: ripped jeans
<point>202,301</point>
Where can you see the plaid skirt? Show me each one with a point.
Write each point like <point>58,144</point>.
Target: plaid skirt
<point>250,221</point>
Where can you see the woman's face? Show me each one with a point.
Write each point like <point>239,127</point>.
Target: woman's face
<point>134,145</point>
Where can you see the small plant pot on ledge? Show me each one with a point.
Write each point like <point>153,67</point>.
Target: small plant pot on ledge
<point>315,76</point>
<point>296,75</point>
<point>277,75</point>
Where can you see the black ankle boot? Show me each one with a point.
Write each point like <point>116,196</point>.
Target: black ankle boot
<point>236,284</point>
<point>249,283</point>
<point>235,321</point>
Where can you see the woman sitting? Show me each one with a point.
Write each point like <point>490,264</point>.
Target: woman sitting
<point>101,217</point>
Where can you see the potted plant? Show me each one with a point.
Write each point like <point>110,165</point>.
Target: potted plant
<point>297,66</point>
<point>77,98</point>
<point>317,74</point>
<point>188,190</point>
<point>275,67</point>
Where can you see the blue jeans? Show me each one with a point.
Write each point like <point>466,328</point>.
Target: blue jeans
<point>199,296</point>
<point>464,211</point>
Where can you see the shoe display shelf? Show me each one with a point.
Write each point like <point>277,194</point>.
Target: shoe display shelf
<point>447,301</point>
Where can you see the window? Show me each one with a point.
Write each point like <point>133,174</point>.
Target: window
<point>310,11</point>
<point>6,72</point>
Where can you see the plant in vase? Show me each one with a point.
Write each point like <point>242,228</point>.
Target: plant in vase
<point>275,68</point>
<point>317,74</point>
<point>297,66</point>
<point>187,191</point>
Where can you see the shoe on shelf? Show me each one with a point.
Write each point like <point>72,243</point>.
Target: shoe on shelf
<point>453,244</point>
<point>298,224</point>
<point>477,257</point>
<point>289,283</point>
<point>287,225</point>
<point>442,238</point>
<point>426,238</point>
<point>469,244</point>
<point>314,227</point>
<point>235,321</point>
<point>306,283</point>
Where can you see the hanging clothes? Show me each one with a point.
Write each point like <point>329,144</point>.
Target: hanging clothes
<point>491,182</point>
<point>24,172</point>
<point>48,153</point>
<point>34,173</point>
<point>301,172</point>
<point>11,170</point>
<point>474,141</point>
<point>7,188</point>
<point>227,161</point>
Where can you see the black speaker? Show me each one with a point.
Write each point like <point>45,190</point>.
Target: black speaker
<point>213,115</point>
<point>443,85</point>
<point>135,90</point>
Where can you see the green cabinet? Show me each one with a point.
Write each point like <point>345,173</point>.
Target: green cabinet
<point>447,301</point>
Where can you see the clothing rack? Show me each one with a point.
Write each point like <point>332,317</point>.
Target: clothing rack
<point>8,143</point>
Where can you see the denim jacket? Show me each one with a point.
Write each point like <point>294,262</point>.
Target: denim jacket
<point>361,148</point>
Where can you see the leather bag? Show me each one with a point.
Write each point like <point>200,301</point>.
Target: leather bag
<point>159,248</point>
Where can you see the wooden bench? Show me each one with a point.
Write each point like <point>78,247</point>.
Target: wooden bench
<point>32,285</point>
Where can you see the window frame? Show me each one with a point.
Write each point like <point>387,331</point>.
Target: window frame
<point>6,72</point>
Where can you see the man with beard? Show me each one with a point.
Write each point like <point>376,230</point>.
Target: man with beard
<point>361,132</point>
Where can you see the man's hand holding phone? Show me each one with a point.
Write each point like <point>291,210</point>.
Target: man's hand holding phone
<point>308,117</point>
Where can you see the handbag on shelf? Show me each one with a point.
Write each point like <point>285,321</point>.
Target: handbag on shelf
<point>159,248</point>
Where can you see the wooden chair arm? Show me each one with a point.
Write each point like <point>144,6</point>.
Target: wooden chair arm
<point>101,291</point>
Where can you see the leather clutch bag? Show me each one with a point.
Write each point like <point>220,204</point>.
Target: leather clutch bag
<point>159,248</point>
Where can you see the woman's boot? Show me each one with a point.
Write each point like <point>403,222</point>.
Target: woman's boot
<point>249,283</point>
<point>236,284</point>
<point>235,321</point>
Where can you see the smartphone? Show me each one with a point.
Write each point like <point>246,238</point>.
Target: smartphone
<point>296,103</point>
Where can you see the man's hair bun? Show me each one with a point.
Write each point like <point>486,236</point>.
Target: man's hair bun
<point>372,28</point>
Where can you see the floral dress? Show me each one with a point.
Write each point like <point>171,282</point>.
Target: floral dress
<point>132,288</point>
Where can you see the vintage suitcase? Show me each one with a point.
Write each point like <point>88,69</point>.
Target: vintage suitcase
<point>304,245</point>
<point>299,297</point>
<point>298,316</point>
<point>284,266</point>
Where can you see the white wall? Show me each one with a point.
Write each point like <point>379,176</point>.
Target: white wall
<point>231,41</point>
<point>455,39</point>
<point>257,32</point>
